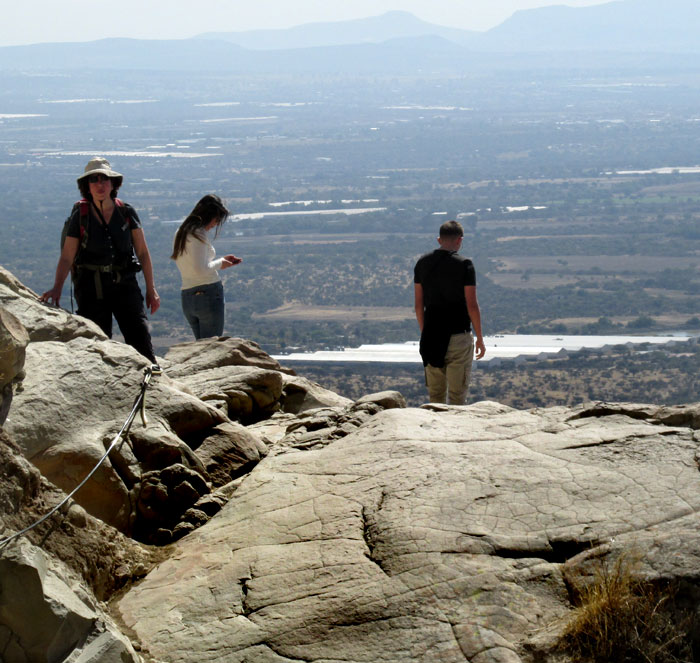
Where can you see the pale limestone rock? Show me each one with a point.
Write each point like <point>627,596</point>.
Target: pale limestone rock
<point>300,395</point>
<point>250,393</point>
<point>47,615</point>
<point>44,322</point>
<point>72,403</point>
<point>421,536</point>
<point>194,357</point>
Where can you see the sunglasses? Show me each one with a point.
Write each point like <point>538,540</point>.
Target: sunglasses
<point>94,179</point>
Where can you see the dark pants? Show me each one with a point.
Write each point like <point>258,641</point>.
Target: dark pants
<point>121,298</point>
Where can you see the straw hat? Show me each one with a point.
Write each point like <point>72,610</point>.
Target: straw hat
<point>100,166</point>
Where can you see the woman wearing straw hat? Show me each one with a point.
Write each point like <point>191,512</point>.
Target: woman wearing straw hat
<point>103,240</point>
<point>202,292</point>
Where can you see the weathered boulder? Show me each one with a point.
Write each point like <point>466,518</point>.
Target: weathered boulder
<point>229,450</point>
<point>246,393</point>
<point>43,322</point>
<point>53,576</point>
<point>421,536</point>
<point>193,357</point>
<point>47,615</point>
<point>13,341</point>
<point>387,400</point>
<point>300,395</point>
<point>101,556</point>
<point>73,401</point>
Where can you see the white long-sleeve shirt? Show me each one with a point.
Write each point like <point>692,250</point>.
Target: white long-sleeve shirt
<point>198,264</point>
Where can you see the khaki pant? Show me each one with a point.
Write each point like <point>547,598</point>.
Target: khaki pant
<point>452,380</point>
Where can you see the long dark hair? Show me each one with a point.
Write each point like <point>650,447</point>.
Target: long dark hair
<point>209,208</point>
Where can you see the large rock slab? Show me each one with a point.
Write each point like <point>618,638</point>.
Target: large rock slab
<point>424,535</point>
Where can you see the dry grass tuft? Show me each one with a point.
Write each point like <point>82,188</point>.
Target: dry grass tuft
<point>622,618</point>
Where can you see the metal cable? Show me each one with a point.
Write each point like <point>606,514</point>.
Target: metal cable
<point>139,404</point>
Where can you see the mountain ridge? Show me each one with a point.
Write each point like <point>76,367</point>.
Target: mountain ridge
<point>638,32</point>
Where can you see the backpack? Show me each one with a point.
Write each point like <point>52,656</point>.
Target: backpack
<point>84,213</point>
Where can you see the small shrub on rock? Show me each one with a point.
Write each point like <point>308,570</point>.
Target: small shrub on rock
<point>623,618</point>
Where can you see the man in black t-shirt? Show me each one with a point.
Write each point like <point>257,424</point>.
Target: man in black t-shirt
<point>447,309</point>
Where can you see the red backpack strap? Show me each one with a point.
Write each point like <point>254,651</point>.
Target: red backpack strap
<point>125,210</point>
<point>84,206</point>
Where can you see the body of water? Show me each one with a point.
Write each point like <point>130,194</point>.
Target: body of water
<point>497,347</point>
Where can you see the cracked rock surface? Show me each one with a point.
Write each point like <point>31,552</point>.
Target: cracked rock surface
<point>434,534</point>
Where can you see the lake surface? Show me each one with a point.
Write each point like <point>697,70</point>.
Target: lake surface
<point>507,346</point>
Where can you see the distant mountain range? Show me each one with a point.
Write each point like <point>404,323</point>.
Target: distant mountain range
<point>376,29</point>
<point>620,26</point>
<point>650,32</point>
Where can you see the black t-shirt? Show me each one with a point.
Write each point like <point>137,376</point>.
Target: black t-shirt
<point>109,245</point>
<point>443,275</point>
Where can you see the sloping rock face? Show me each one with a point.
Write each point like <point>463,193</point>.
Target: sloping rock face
<point>13,341</point>
<point>52,578</point>
<point>434,534</point>
<point>78,388</point>
<point>72,403</point>
<point>43,322</point>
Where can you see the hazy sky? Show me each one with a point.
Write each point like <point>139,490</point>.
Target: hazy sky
<point>32,21</point>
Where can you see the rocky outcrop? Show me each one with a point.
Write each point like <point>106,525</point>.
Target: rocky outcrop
<point>13,341</point>
<point>47,615</point>
<point>52,577</point>
<point>196,356</point>
<point>79,388</point>
<point>424,534</point>
<point>243,381</point>
<point>43,322</point>
<point>73,402</point>
<point>303,526</point>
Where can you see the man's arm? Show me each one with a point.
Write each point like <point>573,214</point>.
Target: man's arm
<point>418,304</point>
<point>65,262</point>
<point>141,249</point>
<point>475,317</point>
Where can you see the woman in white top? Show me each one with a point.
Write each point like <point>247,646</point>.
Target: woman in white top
<point>202,291</point>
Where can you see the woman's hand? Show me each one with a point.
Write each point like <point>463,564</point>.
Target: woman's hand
<point>52,296</point>
<point>152,300</point>
<point>230,260</point>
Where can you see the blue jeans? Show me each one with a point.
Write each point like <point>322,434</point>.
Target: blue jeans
<point>203,307</point>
